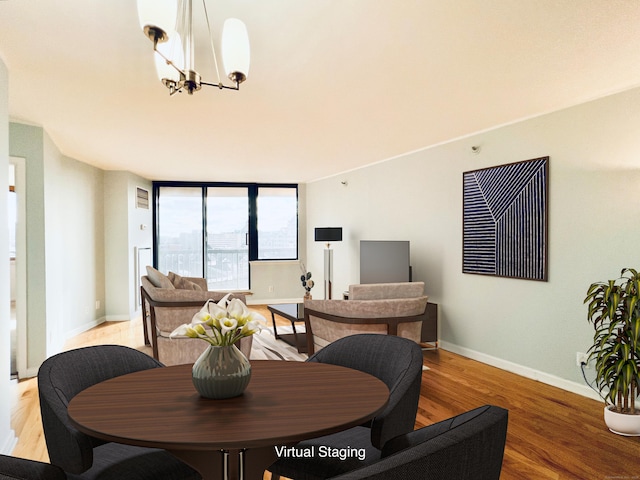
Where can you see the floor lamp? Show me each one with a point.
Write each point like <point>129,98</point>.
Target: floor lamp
<point>328,234</point>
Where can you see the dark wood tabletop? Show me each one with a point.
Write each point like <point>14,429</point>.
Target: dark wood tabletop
<point>284,403</point>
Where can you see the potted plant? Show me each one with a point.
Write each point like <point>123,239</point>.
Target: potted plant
<point>614,312</point>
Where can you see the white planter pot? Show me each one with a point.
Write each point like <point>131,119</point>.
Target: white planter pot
<point>621,423</point>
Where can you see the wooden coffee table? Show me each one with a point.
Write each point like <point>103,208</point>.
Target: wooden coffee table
<point>294,312</point>
<point>284,403</point>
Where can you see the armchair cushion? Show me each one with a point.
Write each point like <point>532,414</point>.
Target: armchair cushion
<point>184,283</point>
<point>158,279</point>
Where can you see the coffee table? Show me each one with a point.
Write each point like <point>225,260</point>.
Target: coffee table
<point>284,403</point>
<point>294,312</point>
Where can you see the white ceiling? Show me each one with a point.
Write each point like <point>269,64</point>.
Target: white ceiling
<point>333,85</point>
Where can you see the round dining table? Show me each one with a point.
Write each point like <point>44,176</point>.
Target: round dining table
<point>234,438</point>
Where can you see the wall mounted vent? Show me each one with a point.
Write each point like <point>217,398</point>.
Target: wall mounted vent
<point>142,198</point>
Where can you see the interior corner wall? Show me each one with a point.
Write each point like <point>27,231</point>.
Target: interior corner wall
<point>533,328</point>
<point>126,228</point>
<point>7,436</point>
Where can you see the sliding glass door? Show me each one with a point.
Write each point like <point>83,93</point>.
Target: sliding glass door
<point>227,238</point>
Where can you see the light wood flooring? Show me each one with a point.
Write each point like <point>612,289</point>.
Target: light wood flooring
<point>552,434</point>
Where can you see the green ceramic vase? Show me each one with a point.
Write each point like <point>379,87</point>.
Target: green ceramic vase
<point>221,372</point>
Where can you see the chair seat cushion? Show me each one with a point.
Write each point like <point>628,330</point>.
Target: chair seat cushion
<point>114,461</point>
<point>330,455</point>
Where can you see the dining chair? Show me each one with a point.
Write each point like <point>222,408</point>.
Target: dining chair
<point>81,456</point>
<point>14,468</point>
<point>469,446</point>
<point>397,362</point>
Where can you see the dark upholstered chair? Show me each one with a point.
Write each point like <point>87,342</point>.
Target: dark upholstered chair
<point>81,456</point>
<point>397,362</point>
<point>467,447</point>
<point>12,468</point>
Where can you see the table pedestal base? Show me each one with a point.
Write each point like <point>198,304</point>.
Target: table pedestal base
<point>248,464</point>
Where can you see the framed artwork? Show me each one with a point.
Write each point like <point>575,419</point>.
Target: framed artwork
<point>505,215</point>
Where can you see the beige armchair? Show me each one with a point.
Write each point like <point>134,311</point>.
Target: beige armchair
<point>384,308</point>
<point>166,305</point>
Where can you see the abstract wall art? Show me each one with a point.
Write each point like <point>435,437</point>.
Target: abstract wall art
<point>505,220</point>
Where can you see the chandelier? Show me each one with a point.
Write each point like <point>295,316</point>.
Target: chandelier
<point>169,25</point>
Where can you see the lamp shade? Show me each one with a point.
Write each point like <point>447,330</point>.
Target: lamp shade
<point>174,52</point>
<point>236,52</point>
<point>328,234</point>
<point>157,18</point>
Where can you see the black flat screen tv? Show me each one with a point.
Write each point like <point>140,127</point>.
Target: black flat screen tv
<point>384,261</point>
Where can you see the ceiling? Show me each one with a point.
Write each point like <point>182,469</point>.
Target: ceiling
<point>334,84</point>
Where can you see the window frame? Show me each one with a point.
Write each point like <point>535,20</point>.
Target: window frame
<point>252,190</point>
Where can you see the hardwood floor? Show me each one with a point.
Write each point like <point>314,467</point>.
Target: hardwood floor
<point>553,434</point>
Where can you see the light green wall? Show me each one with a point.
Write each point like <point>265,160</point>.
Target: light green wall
<point>74,249</point>
<point>65,273</point>
<point>126,227</point>
<point>532,328</point>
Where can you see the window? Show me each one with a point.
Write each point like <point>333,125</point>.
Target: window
<point>213,230</point>
<point>179,231</point>
<point>277,223</point>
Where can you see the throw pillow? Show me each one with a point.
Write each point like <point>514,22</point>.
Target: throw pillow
<point>183,283</point>
<point>158,279</point>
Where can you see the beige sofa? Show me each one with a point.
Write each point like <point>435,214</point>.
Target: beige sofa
<point>166,305</point>
<point>384,308</point>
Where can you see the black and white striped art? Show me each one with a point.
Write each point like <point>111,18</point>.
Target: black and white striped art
<point>505,220</point>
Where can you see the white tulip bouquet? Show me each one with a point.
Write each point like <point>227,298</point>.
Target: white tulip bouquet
<point>222,323</point>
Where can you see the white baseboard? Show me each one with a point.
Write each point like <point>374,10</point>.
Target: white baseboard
<point>117,318</point>
<point>9,443</point>
<point>523,371</point>
<point>85,327</point>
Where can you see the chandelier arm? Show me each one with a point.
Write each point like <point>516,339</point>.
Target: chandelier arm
<point>221,85</point>
<point>168,60</point>
<point>213,49</point>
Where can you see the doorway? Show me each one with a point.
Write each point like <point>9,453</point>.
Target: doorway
<point>18,268</point>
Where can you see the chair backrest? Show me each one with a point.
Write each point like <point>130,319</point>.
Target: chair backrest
<point>62,377</point>
<point>467,447</point>
<point>13,468</point>
<point>384,291</point>
<point>394,360</point>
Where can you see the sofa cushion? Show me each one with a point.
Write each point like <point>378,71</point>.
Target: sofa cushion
<point>158,279</point>
<point>182,283</point>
